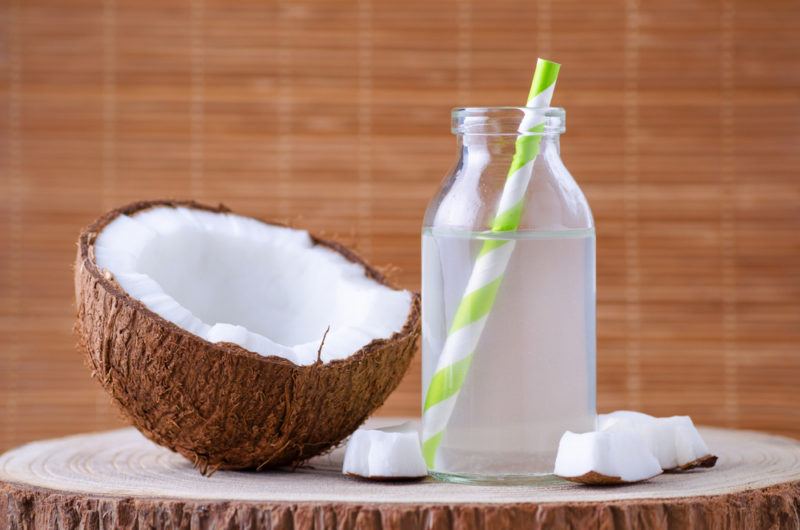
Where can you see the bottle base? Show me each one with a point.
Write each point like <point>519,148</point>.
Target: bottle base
<point>531,479</point>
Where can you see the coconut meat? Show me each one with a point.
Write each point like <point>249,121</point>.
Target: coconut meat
<point>674,441</point>
<point>605,457</point>
<point>229,278</point>
<point>387,453</point>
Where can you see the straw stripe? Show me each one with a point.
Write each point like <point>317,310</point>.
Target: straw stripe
<point>491,244</point>
<point>526,149</point>
<point>429,447</point>
<point>475,305</point>
<point>440,413</point>
<point>487,273</point>
<point>463,341</point>
<point>509,218</point>
<point>447,381</point>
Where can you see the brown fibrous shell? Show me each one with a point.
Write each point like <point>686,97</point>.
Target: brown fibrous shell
<point>220,405</point>
<point>703,461</point>
<point>596,479</point>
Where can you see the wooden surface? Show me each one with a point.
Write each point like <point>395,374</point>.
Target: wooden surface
<point>120,476</point>
<point>683,129</point>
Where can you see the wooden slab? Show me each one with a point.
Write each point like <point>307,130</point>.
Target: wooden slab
<point>118,479</point>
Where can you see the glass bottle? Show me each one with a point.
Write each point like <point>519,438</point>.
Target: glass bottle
<point>500,411</point>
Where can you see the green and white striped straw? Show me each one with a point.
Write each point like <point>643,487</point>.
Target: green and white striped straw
<point>487,273</point>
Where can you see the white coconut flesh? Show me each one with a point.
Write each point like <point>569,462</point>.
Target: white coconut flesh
<point>674,440</point>
<point>392,452</point>
<point>269,289</point>
<point>612,456</point>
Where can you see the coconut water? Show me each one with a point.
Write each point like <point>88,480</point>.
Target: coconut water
<point>532,376</point>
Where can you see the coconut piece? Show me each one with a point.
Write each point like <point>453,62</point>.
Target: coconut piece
<point>237,343</point>
<point>605,458</point>
<point>385,454</point>
<point>674,440</point>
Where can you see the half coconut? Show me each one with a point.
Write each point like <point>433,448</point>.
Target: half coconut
<point>235,342</point>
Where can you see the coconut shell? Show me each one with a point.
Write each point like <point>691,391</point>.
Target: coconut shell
<point>593,478</point>
<point>220,405</point>
<point>703,461</point>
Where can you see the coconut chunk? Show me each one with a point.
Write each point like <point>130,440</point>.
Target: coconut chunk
<point>231,279</point>
<point>388,453</point>
<point>605,457</point>
<point>674,440</point>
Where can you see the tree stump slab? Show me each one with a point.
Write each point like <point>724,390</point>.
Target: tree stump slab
<point>119,479</point>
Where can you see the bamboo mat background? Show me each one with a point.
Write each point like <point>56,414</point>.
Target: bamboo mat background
<point>683,129</point>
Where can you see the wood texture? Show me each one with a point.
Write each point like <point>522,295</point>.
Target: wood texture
<point>683,127</point>
<point>118,479</point>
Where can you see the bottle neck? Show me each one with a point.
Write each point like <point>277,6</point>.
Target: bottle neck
<point>477,187</point>
<point>503,146</point>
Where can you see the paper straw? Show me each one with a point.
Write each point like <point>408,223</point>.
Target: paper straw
<point>487,273</point>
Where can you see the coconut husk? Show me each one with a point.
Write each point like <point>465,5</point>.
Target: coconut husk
<point>219,405</point>
<point>704,461</point>
<point>594,478</point>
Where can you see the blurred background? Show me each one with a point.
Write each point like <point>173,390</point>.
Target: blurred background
<point>683,130</point>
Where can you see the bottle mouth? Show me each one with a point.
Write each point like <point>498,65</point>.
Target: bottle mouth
<point>508,121</point>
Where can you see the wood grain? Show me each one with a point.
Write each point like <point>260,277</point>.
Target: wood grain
<point>121,479</point>
<point>683,126</point>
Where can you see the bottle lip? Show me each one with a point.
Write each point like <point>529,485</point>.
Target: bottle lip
<point>508,121</point>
